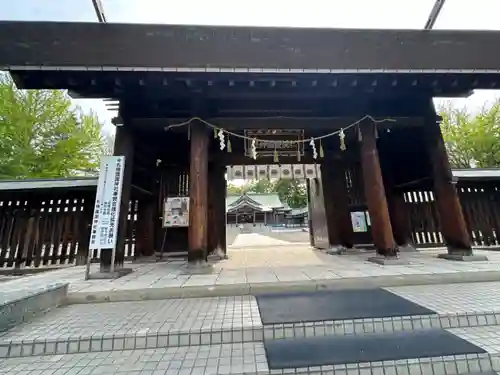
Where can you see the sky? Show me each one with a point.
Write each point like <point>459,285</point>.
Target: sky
<point>386,14</point>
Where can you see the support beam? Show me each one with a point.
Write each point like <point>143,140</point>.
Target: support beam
<point>451,217</point>
<point>198,194</point>
<point>375,192</point>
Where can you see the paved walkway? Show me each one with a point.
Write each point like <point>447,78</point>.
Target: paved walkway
<point>256,240</point>
<point>255,270</point>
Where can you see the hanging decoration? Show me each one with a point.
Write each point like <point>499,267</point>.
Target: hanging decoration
<point>342,140</point>
<point>313,147</point>
<point>226,144</point>
<point>253,150</point>
<point>222,141</point>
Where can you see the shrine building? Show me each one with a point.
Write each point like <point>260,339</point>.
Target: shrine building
<point>191,100</point>
<point>263,209</point>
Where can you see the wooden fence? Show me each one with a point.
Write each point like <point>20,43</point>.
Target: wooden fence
<point>50,230</point>
<point>481,207</point>
<point>44,230</point>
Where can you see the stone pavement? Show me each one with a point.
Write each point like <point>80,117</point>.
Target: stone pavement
<point>256,270</point>
<point>225,335</point>
<point>256,240</point>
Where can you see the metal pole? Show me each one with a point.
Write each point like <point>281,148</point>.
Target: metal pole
<point>436,9</point>
<point>99,11</point>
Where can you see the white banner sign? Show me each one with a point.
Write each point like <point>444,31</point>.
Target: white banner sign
<point>107,203</point>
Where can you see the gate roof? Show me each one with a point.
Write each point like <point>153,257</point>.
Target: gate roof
<point>69,45</point>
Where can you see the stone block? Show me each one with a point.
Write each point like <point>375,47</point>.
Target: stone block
<point>117,273</point>
<point>463,258</point>
<point>388,261</point>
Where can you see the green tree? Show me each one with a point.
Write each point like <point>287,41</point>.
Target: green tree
<point>472,139</point>
<point>292,192</point>
<point>261,186</point>
<point>41,135</point>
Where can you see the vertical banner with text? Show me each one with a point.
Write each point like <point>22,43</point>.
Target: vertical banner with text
<point>104,231</point>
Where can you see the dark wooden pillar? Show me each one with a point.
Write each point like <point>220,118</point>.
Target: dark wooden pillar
<point>198,194</point>
<point>220,186</point>
<point>217,210</point>
<point>399,219</point>
<point>453,225</point>
<point>375,192</point>
<point>330,214</point>
<point>124,146</point>
<point>337,201</point>
<point>144,232</point>
<point>310,212</point>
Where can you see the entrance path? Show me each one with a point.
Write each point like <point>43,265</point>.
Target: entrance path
<point>255,239</point>
<point>250,271</point>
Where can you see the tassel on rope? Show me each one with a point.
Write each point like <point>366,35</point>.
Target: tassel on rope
<point>313,147</point>
<point>215,133</point>
<point>321,151</point>
<point>254,149</point>
<point>189,132</point>
<point>222,142</point>
<point>360,136</point>
<point>275,155</point>
<point>229,147</point>
<point>376,132</point>
<point>342,140</point>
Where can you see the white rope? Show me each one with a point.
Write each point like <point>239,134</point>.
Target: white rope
<point>336,132</point>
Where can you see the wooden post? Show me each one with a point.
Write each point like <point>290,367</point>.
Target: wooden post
<point>337,196</point>
<point>330,214</point>
<point>144,237</point>
<point>220,207</point>
<point>124,146</point>
<point>453,225</point>
<point>310,213</point>
<point>198,194</point>
<point>399,219</point>
<point>375,192</point>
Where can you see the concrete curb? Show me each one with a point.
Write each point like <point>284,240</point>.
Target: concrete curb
<point>142,294</point>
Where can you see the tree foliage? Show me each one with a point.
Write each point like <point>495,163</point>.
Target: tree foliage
<point>472,139</point>
<point>293,192</point>
<point>42,136</point>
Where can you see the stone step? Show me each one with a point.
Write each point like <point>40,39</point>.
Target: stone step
<point>242,359</point>
<point>105,327</point>
<point>18,306</point>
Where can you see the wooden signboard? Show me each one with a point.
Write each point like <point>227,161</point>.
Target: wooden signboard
<point>279,140</point>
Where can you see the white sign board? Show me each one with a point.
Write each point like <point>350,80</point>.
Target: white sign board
<point>358,220</point>
<point>107,203</point>
<point>176,212</point>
